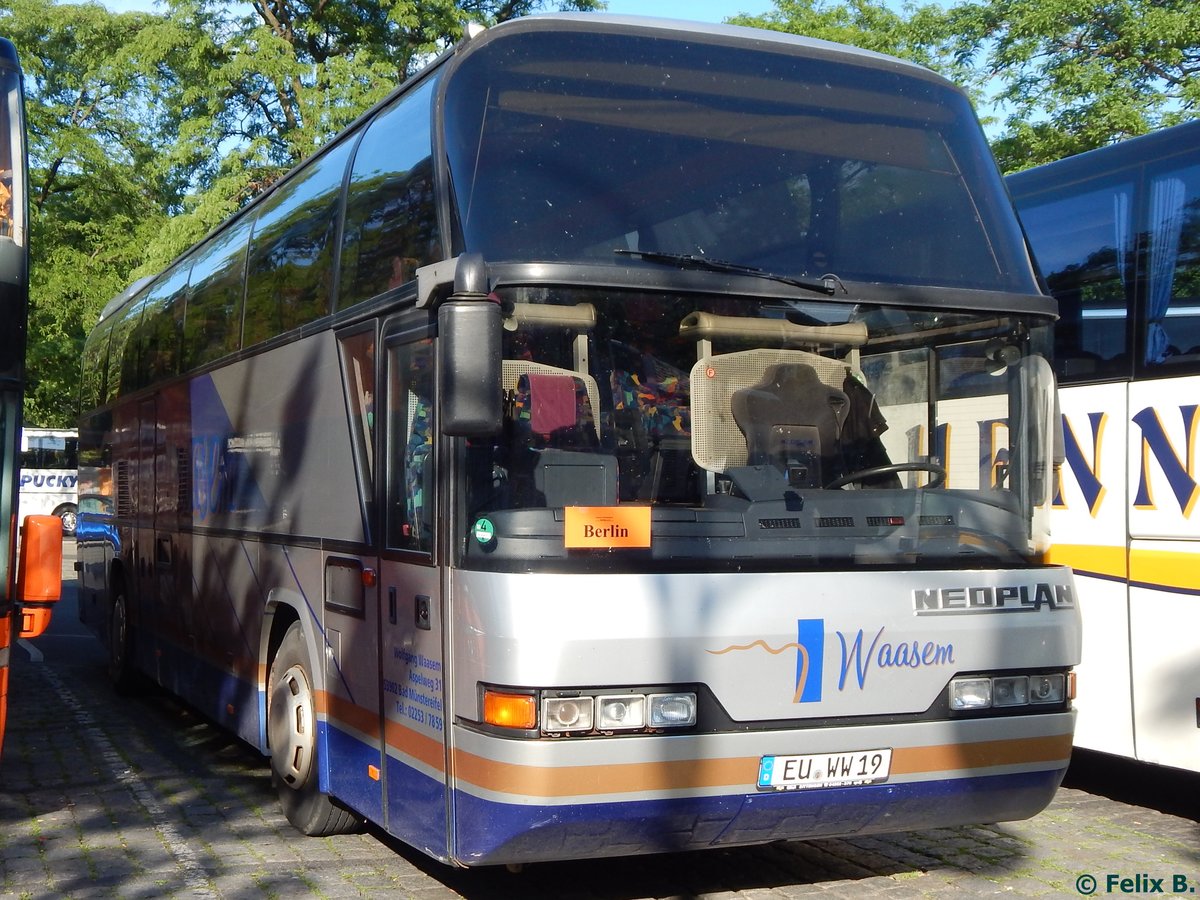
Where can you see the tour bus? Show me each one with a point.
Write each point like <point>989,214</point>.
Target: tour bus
<point>1117,235</point>
<point>29,584</point>
<point>629,436</point>
<point>49,471</point>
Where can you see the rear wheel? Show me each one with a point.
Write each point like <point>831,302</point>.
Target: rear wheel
<point>120,657</point>
<point>292,732</point>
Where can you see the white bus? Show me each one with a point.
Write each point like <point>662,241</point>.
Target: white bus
<point>1117,235</point>
<point>49,474</point>
<point>630,436</point>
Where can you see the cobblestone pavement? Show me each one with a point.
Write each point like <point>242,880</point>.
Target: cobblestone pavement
<point>138,798</point>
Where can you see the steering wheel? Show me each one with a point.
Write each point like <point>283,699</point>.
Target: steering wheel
<point>938,472</point>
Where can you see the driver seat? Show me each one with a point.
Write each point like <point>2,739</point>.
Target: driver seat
<point>793,420</point>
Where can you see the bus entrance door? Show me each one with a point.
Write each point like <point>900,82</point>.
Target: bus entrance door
<point>413,706</point>
<point>411,596</point>
<point>352,682</point>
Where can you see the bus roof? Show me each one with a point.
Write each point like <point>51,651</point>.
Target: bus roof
<point>722,33</point>
<point>1130,152</point>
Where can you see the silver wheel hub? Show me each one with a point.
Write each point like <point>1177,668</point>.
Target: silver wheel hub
<point>292,727</point>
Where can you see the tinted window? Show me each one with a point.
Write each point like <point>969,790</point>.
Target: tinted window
<point>51,453</point>
<point>213,327</point>
<point>95,363</point>
<point>122,356</point>
<point>291,252</point>
<point>569,146</point>
<point>391,217</point>
<point>410,430</point>
<point>358,378</point>
<point>1172,306</point>
<point>160,334</point>
<point>1084,241</point>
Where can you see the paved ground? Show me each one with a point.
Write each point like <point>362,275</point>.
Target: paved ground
<point>104,797</point>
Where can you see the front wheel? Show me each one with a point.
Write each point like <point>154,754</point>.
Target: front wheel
<point>292,733</point>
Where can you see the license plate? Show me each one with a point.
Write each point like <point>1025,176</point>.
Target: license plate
<point>820,770</point>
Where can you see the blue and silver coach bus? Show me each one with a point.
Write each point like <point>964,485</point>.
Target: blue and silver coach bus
<point>630,436</point>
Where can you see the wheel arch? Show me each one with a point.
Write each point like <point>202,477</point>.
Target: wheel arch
<point>283,609</point>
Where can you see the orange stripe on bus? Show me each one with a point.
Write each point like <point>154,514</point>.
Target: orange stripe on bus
<point>685,774</point>
<point>690,774</point>
<point>420,747</point>
<point>341,712</point>
<point>567,781</point>
<point>981,754</point>
<point>364,721</point>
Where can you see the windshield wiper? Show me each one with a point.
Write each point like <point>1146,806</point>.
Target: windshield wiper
<point>827,284</point>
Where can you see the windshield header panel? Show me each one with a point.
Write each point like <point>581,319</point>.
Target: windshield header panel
<point>570,144</point>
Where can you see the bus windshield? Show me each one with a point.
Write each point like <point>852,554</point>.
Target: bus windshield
<point>777,432</point>
<point>570,146</point>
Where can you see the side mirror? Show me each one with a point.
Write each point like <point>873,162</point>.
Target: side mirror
<point>469,331</point>
<point>39,572</point>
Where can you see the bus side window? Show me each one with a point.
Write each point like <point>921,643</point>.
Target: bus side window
<point>290,270</point>
<point>358,378</point>
<point>1093,287</point>
<point>213,324</point>
<point>391,217</point>
<point>411,487</point>
<point>1172,307</point>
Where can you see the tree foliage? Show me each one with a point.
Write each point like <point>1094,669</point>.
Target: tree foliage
<point>918,33</point>
<point>98,186</point>
<point>1073,76</point>
<point>1052,77</point>
<point>149,129</point>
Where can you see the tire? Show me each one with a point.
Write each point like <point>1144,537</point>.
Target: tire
<point>292,735</point>
<point>121,672</point>
<point>69,517</point>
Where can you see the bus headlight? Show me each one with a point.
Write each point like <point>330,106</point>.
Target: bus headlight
<point>587,712</point>
<point>593,712</point>
<point>1011,690</point>
<point>627,711</point>
<point>672,710</point>
<point>970,693</point>
<point>562,714</point>
<point>1007,691</point>
<point>1047,688</point>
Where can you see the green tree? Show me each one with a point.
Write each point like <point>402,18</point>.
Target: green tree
<point>920,33</point>
<point>147,130</point>
<point>97,191</point>
<point>271,86</point>
<point>1061,76</point>
<point>1072,75</point>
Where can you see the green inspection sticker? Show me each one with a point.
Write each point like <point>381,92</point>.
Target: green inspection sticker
<point>485,531</point>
